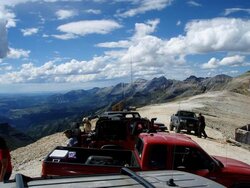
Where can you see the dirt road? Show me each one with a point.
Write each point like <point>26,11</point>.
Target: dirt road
<point>224,111</point>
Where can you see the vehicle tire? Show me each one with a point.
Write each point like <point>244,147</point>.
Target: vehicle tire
<point>171,127</point>
<point>177,129</point>
<point>196,132</point>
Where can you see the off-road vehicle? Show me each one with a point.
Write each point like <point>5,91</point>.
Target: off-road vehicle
<point>186,120</point>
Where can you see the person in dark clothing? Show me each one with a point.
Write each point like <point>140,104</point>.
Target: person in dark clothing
<point>202,125</point>
<point>5,161</point>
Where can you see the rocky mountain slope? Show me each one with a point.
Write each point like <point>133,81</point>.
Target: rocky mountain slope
<point>45,115</point>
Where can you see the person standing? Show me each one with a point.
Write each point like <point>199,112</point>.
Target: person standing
<point>5,161</point>
<point>86,125</point>
<point>202,125</point>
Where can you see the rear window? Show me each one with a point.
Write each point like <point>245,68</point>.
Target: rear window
<point>115,130</point>
<point>187,114</point>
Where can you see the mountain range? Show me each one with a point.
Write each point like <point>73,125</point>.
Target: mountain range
<point>40,115</point>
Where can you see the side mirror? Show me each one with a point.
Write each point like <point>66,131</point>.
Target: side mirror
<point>153,119</point>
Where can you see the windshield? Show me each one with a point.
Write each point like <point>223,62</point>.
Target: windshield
<point>187,114</point>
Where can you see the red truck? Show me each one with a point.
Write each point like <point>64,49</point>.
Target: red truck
<point>153,151</point>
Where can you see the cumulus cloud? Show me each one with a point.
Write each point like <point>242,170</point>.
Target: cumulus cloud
<point>8,16</point>
<point>82,28</point>
<point>64,14</point>
<point>72,71</point>
<point>18,53</point>
<point>29,31</point>
<point>218,34</point>
<point>143,6</point>
<point>142,29</point>
<point>151,55</point>
<point>3,39</point>
<point>227,61</point>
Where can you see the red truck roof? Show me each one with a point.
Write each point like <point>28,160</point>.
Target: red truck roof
<point>172,139</point>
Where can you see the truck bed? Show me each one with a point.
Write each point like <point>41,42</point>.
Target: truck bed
<point>65,161</point>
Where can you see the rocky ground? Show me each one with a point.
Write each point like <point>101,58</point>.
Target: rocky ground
<point>224,111</point>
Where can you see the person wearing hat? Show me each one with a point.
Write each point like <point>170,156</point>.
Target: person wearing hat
<point>72,140</point>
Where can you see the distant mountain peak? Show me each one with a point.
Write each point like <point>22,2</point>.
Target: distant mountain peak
<point>193,78</point>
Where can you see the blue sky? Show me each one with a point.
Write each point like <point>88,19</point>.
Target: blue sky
<point>59,45</point>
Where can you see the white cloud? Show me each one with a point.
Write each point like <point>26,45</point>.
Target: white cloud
<point>93,11</point>
<point>226,61</point>
<point>119,44</point>
<point>150,56</point>
<point>72,71</point>
<point>233,10</point>
<point>81,28</point>
<point>232,60</point>
<point>6,68</point>
<point>64,14</point>
<point>194,3</point>
<point>8,16</point>
<point>145,6</point>
<point>18,53</point>
<point>142,29</point>
<point>218,34</point>
<point>29,31</point>
<point>178,23</point>
<point>211,64</point>
<point>3,39</point>
<point>66,36</point>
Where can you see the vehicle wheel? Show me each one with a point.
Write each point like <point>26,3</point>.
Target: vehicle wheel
<point>171,127</point>
<point>177,129</point>
<point>196,132</point>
